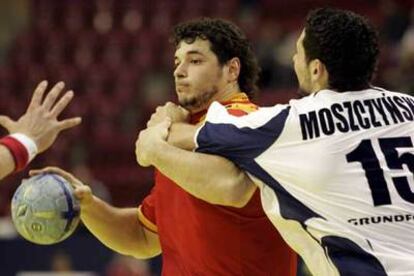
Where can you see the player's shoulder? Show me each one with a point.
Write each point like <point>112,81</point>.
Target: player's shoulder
<point>327,97</point>
<point>302,104</point>
<point>395,93</point>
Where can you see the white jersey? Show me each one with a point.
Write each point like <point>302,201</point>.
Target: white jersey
<point>336,175</point>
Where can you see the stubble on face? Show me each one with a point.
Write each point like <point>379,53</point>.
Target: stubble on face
<point>198,83</point>
<point>199,102</point>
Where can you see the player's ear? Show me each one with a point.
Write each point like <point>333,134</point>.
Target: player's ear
<point>234,67</point>
<point>318,71</point>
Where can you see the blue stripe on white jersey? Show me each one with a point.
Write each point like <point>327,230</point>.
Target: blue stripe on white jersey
<point>317,191</point>
<point>242,143</point>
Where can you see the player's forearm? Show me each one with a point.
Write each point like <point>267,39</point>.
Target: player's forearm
<point>182,135</point>
<point>211,178</point>
<point>6,162</point>
<point>119,229</point>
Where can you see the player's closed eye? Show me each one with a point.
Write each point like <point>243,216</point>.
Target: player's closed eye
<point>196,61</point>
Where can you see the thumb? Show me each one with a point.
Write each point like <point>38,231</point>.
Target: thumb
<point>81,191</point>
<point>6,122</point>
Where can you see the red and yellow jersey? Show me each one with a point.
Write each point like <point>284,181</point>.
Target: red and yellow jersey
<point>198,238</point>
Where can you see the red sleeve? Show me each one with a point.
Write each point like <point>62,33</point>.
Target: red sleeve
<point>147,211</point>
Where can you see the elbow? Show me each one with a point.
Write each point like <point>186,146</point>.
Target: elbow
<point>139,248</point>
<point>240,191</point>
<point>238,200</point>
<point>142,252</point>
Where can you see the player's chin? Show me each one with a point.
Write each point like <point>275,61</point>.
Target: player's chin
<point>187,102</point>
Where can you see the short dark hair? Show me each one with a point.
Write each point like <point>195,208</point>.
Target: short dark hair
<point>227,41</point>
<point>346,43</point>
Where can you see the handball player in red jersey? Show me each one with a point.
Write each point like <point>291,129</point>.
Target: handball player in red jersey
<point>213,62</point>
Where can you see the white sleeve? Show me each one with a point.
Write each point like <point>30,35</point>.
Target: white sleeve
<point>240,138</point>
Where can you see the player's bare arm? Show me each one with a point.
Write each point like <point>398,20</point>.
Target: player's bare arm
<point>36,130</point>
<point>211,178</point>
<point>105,221</point>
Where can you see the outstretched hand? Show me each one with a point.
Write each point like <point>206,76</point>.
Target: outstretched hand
<point>40,121</point>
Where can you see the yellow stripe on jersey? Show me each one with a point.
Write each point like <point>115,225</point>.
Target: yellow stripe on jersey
<point>146,222</point>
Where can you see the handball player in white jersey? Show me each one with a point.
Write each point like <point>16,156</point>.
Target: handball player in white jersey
<point>335,168</point>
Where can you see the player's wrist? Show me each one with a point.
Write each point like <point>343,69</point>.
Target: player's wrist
<point>87,204</point>
<point>29,144</point>
<point>22,148</point>
<point>90,207</point>
<point>157,155</point>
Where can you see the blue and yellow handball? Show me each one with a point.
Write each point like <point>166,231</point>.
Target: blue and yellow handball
<point>44,209</point>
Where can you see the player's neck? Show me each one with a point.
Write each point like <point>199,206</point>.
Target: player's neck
<point>227,93</point>
<point>318,86</point>
<point>320,80</point>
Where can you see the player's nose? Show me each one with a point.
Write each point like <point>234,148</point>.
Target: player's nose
<point>180,72</point>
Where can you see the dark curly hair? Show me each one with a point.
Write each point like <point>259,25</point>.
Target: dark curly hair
<point>346,43</point>
<point>227,42</point>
